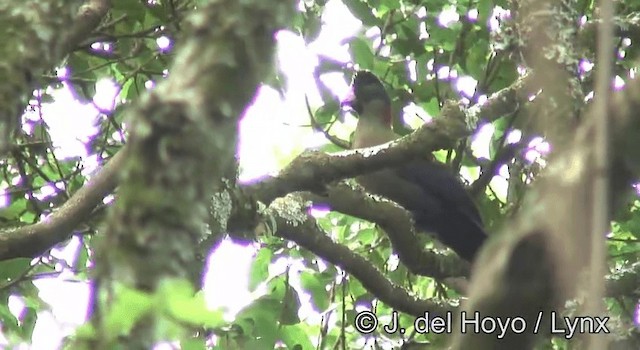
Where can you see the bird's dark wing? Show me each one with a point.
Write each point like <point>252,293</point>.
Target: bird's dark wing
<point>438,180</point>
<point>444,207</point>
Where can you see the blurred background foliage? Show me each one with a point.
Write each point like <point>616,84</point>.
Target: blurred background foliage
<point>426,52</point>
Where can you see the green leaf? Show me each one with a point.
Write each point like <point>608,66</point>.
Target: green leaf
<point>377,258</point>
<point>295,337</point>
<point>485,7</point>
<point>193,344</point>
<point>317,287</point>
<point>257,320</point>
<point>128,307</point>
<point>408,42</point>
<point>431,107</point>
<point>361,52</point>
<point>399,275</point>
<point>86,331</point>
<point>327,112</point>
<point>259,271</point>
<point>290,307</point>
<point>367,236</point>
<point>356,289</point>
<point>28,322</point>
<point>178,299</point>
<point>8,320</point>
<point>362,11</point>
<point>476,59</point>
<point>11,269</point>
<point>80,262</point>
<point>135,10</point>
<point>157,12</point>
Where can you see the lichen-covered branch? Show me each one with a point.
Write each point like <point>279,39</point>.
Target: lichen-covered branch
<point>399,227</point>
<point>183,135</point>
<point>293,223</point>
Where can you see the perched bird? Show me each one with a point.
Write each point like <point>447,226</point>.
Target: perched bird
<point>436,198</point>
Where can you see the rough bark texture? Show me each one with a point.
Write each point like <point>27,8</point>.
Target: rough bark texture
<point>182,137</point>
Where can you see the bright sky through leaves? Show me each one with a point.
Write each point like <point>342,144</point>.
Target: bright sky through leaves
<point>273,130</point>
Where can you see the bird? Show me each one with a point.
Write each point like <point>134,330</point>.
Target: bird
<point>436,198</point>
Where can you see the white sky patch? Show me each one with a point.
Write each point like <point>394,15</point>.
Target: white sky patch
<point>298,64</point>
<point>503,171</point>
<point>259,135</point>
<point>430,64</point>
<point>229,266</point>
<point>319,212</point>
<point>583,20</point>
<point>46,191</point>
<point>48,332</point>
<point>102,46</point>
<point>500,184</point>
<point>618,83</point>
<point>514,136</point>
<point>412,66</point>
<point>70,123</point>
<point>62,72</point>
<point>588,96</point>
<point>108,199</point>
<point>271,132</point>
<point>16,306</point>
<point>443,72</point>
<point>90,165</point>
<point>472,15</point>
<point>482,140</point>
<point>522,70</point>
<point>466,85</point>
<point>68,301</point>
<point>538,148</point>
<point>106,92</point>
<point>586,65</point>
<point>68,252</point>
<point>469,174</point>
<point>164,43</point>
<point>414,115</point>
<point>422,12</point>
<point>497,15</point>
<point>338,24</point>
<point>336,83</point>
<point>374,34</point>
<point>4,197</point>
<point>422,28</point>
<point>448,16</point>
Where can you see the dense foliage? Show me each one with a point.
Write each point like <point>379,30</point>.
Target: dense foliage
<point>428,53</point>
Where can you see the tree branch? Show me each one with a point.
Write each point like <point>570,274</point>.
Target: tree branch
<point>399,227</point>
<point>33,240</point>
<point>310,170</point>
<point>294,224</point>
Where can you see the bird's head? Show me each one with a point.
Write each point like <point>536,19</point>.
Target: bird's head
<point>368,98</point>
